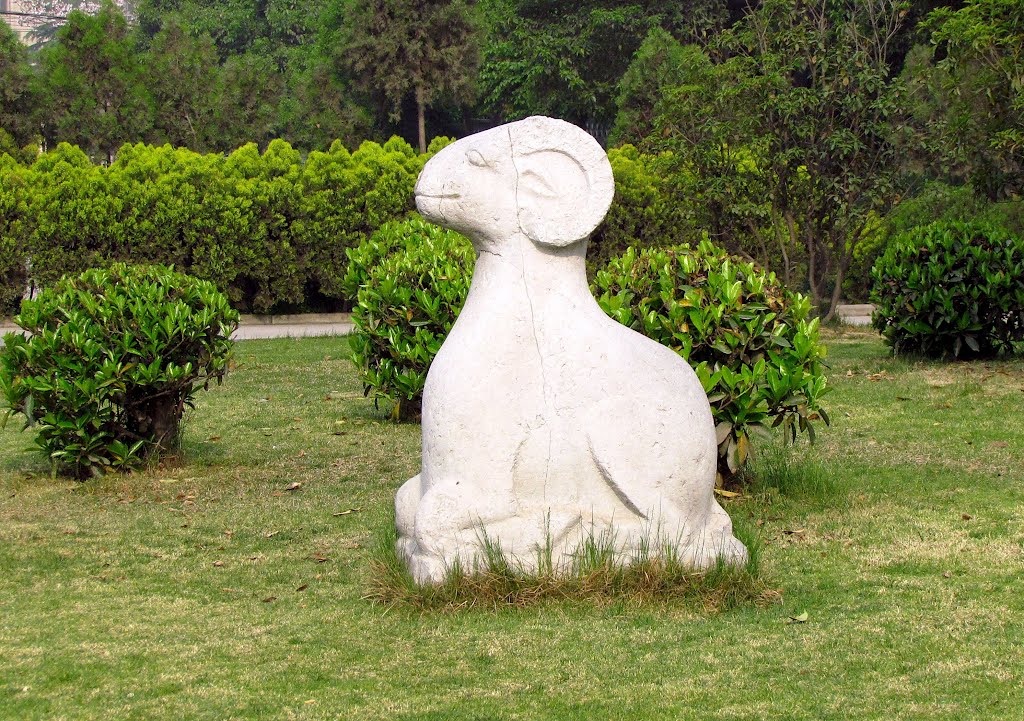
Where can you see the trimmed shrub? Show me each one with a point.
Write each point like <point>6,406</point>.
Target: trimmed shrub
<point>346,197</point>
<point>270,230</point>
<point>112,359</point>
<point>751,341</point>
<point>936,202</point>
<point>951,289</point>
<point>12,256</point>
<point>406,305</point>
<point>642,214</point>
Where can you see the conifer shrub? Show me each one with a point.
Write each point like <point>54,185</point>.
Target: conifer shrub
<point>952,290</point>
<point>751,341</point>
<point>643,212</point>
<point>110,361</point>
<point>12,255</point>
<point>269,229</point>
<point>412,279</point>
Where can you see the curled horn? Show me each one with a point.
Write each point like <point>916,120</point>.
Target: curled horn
<point>576,188</point>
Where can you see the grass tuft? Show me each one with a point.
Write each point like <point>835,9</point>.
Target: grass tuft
<point>595,575</point>
<point>786,470</point>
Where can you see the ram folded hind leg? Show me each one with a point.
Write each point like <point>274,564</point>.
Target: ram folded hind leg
<point>713,543</point>
<point>445,526</point>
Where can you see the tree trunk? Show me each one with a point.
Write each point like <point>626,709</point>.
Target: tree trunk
<point>791,227</point>
<point>837,293</point>
<point>812,268</point>
<point>421,119</point>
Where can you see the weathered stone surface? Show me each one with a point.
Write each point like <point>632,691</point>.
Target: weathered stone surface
<point>543,419</point>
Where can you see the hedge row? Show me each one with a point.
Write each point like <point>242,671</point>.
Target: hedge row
<point>270,230</point>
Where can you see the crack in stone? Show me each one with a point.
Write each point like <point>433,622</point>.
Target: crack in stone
<point>533,320</point>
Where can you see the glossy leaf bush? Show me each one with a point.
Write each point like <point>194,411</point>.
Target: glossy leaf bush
<point>412,278</point>
<point>951,289</point>
<point>111,359</point>
<point>751,341</point>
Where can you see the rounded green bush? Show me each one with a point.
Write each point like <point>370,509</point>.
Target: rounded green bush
<point>751,341</point>
<point>111,359</point>
<point>412,280</point>
<point>951,289</point>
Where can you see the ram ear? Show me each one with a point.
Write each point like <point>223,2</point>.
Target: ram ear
<point>565,182</point>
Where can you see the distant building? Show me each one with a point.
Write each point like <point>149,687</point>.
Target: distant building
<point>14,13</point>
<point>24,16</point>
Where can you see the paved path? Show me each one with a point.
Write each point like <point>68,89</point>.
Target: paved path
<point>247,331</point>
<point>309,325</point>
<point>856,314</point>
<point>255,327</point>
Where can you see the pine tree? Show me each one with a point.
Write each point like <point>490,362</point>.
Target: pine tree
<point>426,48</point>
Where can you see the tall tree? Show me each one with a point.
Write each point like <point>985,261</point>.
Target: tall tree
<point>273,28</point>
<point>182,74</point>
<point>565,57</point>
<point>16,96</point>
<point>976,73</point>
<point>810,95</point>
<point>93,84</point>
<point>397,48</point>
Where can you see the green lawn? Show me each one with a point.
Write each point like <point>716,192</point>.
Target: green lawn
<point>210,591</point>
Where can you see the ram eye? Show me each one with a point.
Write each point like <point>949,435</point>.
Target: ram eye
<point>475,158</point>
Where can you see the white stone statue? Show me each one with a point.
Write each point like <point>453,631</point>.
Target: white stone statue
<point>544,420</point>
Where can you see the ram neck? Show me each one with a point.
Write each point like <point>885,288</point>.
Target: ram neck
<point>517,272</point>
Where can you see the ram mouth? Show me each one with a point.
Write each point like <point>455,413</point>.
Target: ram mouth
<point>438,196</point>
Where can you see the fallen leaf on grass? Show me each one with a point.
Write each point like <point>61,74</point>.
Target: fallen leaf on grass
<point>966,517</point>
<point>947,574</point>
<point>319,558</point>
<point>269,599</point>
<point>1000,444</point>
<point>218,564</point>
<point>727,494</point>
<point>802,618</point>
<point>294,487</point>
<point>794,532</point>
<point>271,534</point>
<point>213,439</point>
<point>349,511</point>
<point>302,454</point>
<point>303,587</point>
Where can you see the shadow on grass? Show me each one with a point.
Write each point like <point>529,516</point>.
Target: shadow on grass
<point>596,576</point>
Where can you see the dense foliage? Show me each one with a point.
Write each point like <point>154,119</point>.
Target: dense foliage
<point>789,140</point>
<point>112,359</point>
<point>752,342</point>
<point>417,277</point>
<point>397,48</point>
<point>269,229</point>
<point>787,130</point>
<point>967,103</point>
<point>643,212</point>
<point>951,289</point>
